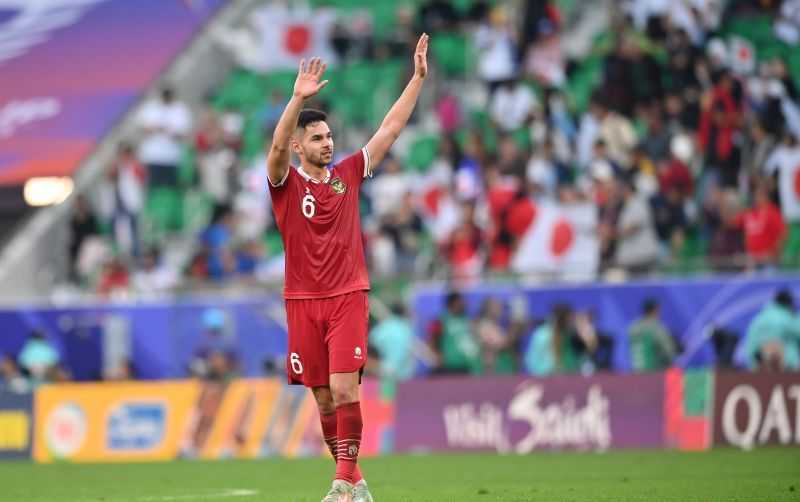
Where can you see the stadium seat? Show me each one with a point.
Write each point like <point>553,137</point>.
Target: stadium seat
<point>451,51</point>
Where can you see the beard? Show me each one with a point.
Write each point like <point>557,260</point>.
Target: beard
<point>320,159</point>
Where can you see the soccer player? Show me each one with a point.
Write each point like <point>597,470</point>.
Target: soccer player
<point>316,208</point>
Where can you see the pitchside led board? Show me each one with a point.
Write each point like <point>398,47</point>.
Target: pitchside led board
<point>754,410</point>
<point>150,421</point>
<point>16,425</point>
<point>71,69</point>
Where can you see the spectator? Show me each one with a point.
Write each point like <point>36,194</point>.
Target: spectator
<point>511,160</point>
<point>496,354</point>
<point>464,248</point>
<point>657,139</point>
<point>545,173</point>
<point>727,240</point>
<point>494,41</point>
<point>562,345</point>
<point>215,357</point>
<point>637,249</point>
<point>651,346</point>
<point>616,132</point>
<point>218,241</point>
<point>216,158</point>
<point>452,339</point>
<point>11,378</point>
<point>512,105</point>
<point>764,230</point>
<point>83,225</point>
<point>154,278</point>
<point>393,339</point>
<point>404,229</point>
<point>772,341</point>
<point>761,156</point>
<point>38,358</point>
<point>719,123</point>
<point>128,179</point>
<point>389,188</point>
<point>671,221</point>
<point>115,279</point>
<point>165,124</point>
<point>437,15</point>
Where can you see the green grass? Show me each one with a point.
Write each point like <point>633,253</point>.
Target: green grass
<point>721,475</point>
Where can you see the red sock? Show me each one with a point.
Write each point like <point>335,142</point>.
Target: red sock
<point>348,435</point>
<point>329,434</point>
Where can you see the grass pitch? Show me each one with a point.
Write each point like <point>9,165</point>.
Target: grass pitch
<point>720,475</point>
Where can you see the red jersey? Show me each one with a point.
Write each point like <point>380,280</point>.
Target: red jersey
<point>320,226</point>
<point>763,230</point>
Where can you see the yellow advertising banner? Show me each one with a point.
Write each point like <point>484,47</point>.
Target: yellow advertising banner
<point>146,421</point>
<point>108,422</point>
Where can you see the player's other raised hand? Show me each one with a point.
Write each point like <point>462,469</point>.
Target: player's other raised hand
<point>308,78</point>
<point>421,57</point>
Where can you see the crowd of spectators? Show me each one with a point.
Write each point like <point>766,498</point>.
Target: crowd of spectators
<point>683,145</point>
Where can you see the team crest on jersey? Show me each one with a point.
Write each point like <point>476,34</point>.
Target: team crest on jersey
<point>338,186</point>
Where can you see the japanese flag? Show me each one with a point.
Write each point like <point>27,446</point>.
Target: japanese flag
<point>786,163</point>
<point>289,35</point>
<point>560,243</point>
<point>742,56</point>
<point>790,192</point>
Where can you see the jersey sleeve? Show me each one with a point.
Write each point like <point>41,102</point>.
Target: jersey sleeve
<point>356,166</point>
<point>279,192</point>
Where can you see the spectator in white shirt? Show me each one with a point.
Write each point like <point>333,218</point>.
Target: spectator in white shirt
<point>495,43</point>
<point>165,124</point>
<point>389,188</point>
<point>127,181</point>
<point>512,105</point>
<point>154,278</point>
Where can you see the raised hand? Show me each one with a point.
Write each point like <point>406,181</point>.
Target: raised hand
<point>308,83</point>
<point>421,57</point>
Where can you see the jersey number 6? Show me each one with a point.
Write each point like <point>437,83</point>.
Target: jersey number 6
<point>308,206</point>
<point>294,361</point>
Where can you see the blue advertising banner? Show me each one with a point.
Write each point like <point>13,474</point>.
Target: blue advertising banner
<point>16,425</point>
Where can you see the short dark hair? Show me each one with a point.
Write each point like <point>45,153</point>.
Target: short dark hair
<point>310,116</point>
<point>785,299</point>
<point>649,306</point>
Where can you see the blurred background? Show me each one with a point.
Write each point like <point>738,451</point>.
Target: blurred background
<point>595,210</point>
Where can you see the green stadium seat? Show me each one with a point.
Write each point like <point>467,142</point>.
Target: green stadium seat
<point>451,51</point>
<point>422,152</point>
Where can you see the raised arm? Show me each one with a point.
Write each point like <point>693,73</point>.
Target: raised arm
<point>306,85</point>
<point>398,115</point>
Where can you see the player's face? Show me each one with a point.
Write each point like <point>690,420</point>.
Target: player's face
<point>316,144</point>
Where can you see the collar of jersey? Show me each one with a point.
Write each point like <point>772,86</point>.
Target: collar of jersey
<point>313,180</point>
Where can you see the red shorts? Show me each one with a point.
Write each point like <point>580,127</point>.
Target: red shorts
<point>326,335</point>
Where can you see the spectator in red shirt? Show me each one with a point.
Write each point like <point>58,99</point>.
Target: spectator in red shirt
<point>463,248</point>
<point>764,230</point>
<point>114,280</point>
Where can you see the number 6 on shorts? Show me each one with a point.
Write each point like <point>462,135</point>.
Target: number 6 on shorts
<point>297,366</point>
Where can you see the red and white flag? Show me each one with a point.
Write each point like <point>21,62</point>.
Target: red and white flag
<point>789,187</point>
<point>785,162</point>
<point>742,55</point>
<point>289,35</point>
<point>560,243</point>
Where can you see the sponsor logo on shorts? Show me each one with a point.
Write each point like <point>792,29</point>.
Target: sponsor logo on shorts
<point>358,353</point>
